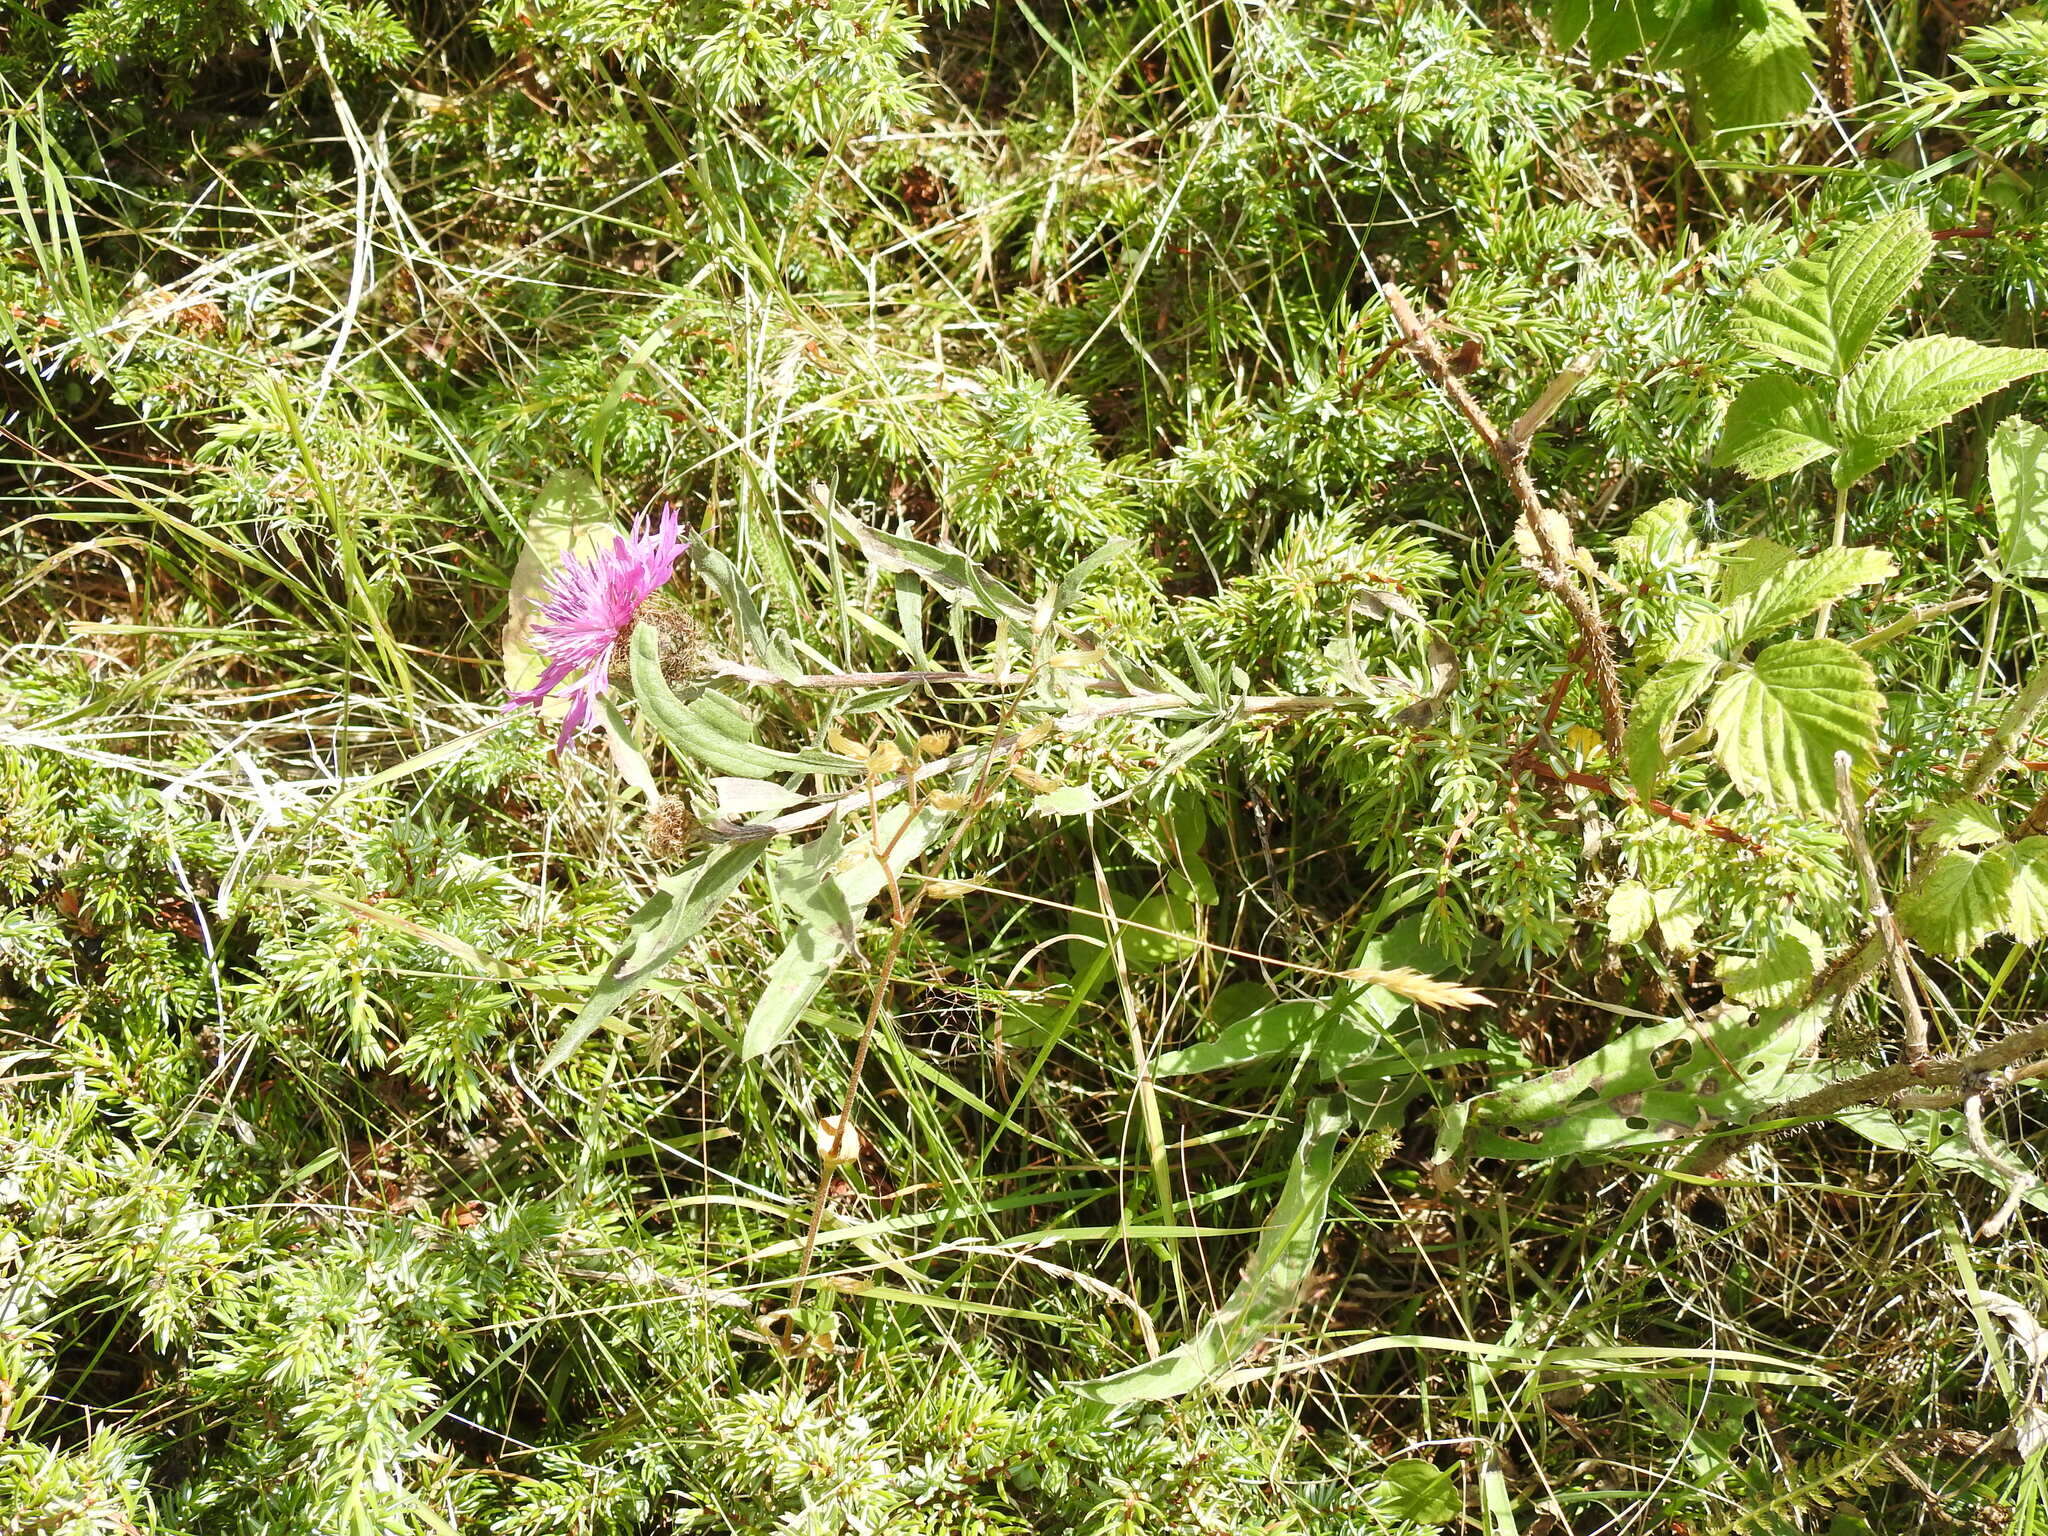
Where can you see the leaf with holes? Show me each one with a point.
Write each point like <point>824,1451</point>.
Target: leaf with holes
<point>1655,1084</point>
<point>1914,387</point>
<point>1774,426</point>
<point>1779,721</point>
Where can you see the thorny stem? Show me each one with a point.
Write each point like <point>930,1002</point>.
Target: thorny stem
<point>1881,1085</point>
<point>1511,454</point>
<point>1882,922</point>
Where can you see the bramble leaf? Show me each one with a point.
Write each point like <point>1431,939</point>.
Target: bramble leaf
<point>1914,387</point>
<point>1799,587</point>
<point>1789,957</point>
<point>1658,705</point>
<point>1818,313</point>
<point>1779,721</point>
<point>1776,425</point>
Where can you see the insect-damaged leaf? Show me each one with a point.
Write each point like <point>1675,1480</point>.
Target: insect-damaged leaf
<point>1657,1083</point>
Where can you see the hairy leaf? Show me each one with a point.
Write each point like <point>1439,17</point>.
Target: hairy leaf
<point>2019,495</point>
<point>1789,957</point>
<point>1753,77</point>
<point>1915,386</point>
<point>1779,721</point>
<point>1776,425</point>
<point>1818,313</point>
<point>676,913</point>
<point>1799,587</point>
<point>826,889</point>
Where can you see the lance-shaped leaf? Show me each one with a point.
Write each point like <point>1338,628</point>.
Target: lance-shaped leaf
<point>2019,495</point>
<point>1774,426</point>
<point>1914,387</point>
<point>1799,587</point>
<point>770,649</point>
<point>947,572</point>
<point>826,890</point>
<point>1654,1084</point>
<point>1779,721</point>
<point>712,729</point>
<point>675,914</point>
<point>1819,313</point>
<point>1272,1283</point>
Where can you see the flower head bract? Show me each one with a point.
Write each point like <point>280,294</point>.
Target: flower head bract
<point>588,612</point>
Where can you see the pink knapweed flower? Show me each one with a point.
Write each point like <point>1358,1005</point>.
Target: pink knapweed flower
<point>589,611</point>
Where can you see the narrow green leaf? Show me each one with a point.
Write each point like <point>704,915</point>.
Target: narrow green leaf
<point>947,572</point>
<point>1779,720</point>
<point>2019,495</point>
<point>1652,717</point>
<point>681,905</point>
<point>710,728</point>
<point>1280,1030</point>
<point>769,649</point>
<point>1272,1282</point>
<point>1776,425</point>
<point>1914,387</point>
<point>1799,587</point>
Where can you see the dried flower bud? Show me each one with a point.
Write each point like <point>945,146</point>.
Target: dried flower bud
<point>682,643</point>
<point>935,743</point>
<point>672,829</point>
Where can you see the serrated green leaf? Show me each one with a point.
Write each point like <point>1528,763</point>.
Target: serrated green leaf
<point>1272,1283</point>
<point>1658,704</point>
<point>1788,957</point>
<point>1968,825</point>
<point>1630,912</point>
<point>1776,425</point>
<point>1746,566</point>
<point>1818,313</point>
<point>2019,495</point>
<point>1799,587</point>
<point>1964,899</point>
<point>1915,386</point>
<point>2029,916</point>
<point>1754,77</point>
<point>1779,720</point>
